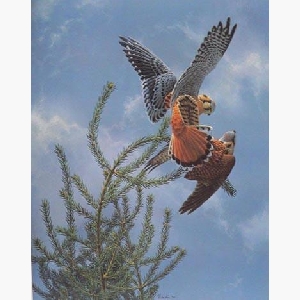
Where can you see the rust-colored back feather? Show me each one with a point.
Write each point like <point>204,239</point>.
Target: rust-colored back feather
<point>189,146</point>
<point>210,177</point>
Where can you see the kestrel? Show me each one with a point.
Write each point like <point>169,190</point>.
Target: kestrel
<point>212,175</point>
<point>163,156</point>
<point>162,91</point>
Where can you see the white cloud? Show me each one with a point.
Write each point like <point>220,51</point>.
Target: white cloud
<point>133,104</point>
<point>227,82</point>
<point>254,67</point>
<point>95,3</point>
<point>213,208</point>
<point>56,37</point>
<point>189,33</point>
<point>52,129</point>
<point>237,281</point>
<point>43,8</point>
<point>255,231</point>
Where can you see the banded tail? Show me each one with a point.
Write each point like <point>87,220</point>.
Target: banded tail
<point>188,146</point>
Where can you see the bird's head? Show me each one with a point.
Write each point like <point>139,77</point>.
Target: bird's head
<point>229,139</point>
<point>206,105</point>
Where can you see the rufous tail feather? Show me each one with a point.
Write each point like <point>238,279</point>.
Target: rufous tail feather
<point>191,147</point>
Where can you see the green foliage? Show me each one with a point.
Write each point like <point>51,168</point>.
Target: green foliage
<point>108,261</point>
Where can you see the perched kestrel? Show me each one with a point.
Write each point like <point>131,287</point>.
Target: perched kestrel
<point>212,175</point>
<point>162,91</point>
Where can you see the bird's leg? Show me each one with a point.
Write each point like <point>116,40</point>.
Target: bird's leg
<point>204,128</point>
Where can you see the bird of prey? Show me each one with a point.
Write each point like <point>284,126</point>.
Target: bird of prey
<point>226,147</point>
<point>162,91</point>
<point>163,155</point>
<point>212,175</point>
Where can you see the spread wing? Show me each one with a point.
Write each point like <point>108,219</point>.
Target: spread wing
<point>201,194</point>
<point>157,79</point>
<point>208,55</point>
<point>208,184</point>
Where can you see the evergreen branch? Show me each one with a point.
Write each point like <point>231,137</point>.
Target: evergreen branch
<point>70,235</point>
<point>82,211</point>
<point>174,262</point>
<point>147,232</point>
<point>123,156</point>
<point>40,292</point>
<point>94,125</point>
<point>119,192</point>
<point>138,162</point>
<point>155,140</point>
<point>45,210</point>
<point>84,191</point>
<point>106,263</point>
<point>67,194</point>
<point>162,245</point>
<point>45,276</point>
<point>139,204</point>
<point>102,197</point>
<point>167,254</point>
<point>162,180</point>
<point>151,291</point>
<point>139,180</point>
<point>39,246</point>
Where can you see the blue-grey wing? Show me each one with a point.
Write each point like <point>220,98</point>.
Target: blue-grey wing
<point>208,55</point>
<point>157,79</point>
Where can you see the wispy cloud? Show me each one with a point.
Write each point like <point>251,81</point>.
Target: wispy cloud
<point>236,282</point>
<point>133,104</point>
<point>95,3</point>
<point>255,231</point>
<point>214,209</point>
<point>62,31</point>
<point>189,32</point>
<point>254,67</point>
<point>227,82</point>
<point>43,9</point>
<point>52,129</point>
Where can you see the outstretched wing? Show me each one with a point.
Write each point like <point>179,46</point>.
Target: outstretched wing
<point>209,179</point>
<point>157,79</point>
<point>208,55</point>
<point>201,194</point>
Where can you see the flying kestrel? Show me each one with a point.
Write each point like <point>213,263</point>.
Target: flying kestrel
<point>163,156</point>
<point>212,175</point>
<point>162,91</point>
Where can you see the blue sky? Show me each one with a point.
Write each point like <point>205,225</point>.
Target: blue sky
<point>53,73</point>
<point>75,51</point>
